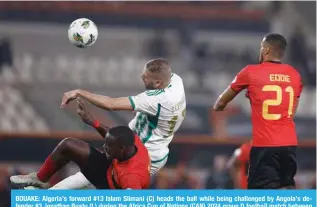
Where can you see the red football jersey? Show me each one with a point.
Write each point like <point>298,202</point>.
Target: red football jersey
<point>273,89</point>
<point>243,157</point>
<point>133,173</point>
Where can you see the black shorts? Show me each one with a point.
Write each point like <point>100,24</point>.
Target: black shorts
<point>272,167</point>
<point>96,169</point>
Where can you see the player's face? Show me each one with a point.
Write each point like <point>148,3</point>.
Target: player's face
<point>111,148</point>
<point>149,80</point>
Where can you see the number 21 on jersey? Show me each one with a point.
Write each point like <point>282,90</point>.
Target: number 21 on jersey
<point>277,101</point>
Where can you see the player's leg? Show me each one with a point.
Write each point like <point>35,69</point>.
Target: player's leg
<point>95,171</point>
<point>76,181</point>
<point>93,174</point>
<point>69,149</point>
<point>264,169</point>
<point>289,167</point>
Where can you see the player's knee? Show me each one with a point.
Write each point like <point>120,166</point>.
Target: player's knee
<point>67,145</point>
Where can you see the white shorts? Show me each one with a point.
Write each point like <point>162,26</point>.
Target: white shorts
<point>79,181</point>
<point>157,165</point>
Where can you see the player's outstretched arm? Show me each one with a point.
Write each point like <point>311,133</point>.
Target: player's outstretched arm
<point>101,128</point>
<point>223,100</point>
<point>104,102</point>
<point>88,119</point>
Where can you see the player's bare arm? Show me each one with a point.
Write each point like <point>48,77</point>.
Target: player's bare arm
<point>88,119</point>
<point>239,83</point>
<point>233,166</point>
<point>296,106</point>
<point>223,100</point>
<point>104,102</point>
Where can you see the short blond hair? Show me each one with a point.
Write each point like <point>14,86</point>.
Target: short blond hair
<point>161,68</point>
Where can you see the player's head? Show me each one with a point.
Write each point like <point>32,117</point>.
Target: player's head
<point>273,47</point>
<point>156,74</point>
<point>118,142</point>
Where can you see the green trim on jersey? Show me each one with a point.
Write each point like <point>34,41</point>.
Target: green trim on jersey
<point>132,102</point>
<point>140,121</point>
<point>154,92</point>
<point>153,121</point>
<point>160,160</point>
<point>144,120</point>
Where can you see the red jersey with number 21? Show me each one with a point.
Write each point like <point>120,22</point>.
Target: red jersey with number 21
<point>273,89</point>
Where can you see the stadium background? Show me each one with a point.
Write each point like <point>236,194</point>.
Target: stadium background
<point>207,43</point>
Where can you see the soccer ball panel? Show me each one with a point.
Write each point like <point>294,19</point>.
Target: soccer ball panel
<point>82,33</point>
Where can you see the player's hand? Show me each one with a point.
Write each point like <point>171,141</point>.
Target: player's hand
<point>69,96</point>
<point>83,113</point>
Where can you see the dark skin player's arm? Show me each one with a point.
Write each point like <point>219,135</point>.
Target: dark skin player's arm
<point>223,100</point>
<point>88,119</point>
<point>296,105</point>
<point>101,129</point>
<point>228,95</point>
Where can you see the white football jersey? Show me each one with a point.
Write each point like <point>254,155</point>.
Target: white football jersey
<point>159,115</point>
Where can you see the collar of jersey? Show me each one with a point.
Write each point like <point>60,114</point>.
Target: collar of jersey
<point>275,62</point>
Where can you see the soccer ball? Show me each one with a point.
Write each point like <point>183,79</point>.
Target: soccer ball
<point>82,33</point>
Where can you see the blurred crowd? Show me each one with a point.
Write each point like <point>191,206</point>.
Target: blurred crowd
<point>201,55</point>
<point>302,57</point>
<point>6,53</point>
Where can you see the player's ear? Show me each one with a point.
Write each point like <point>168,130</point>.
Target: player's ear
<point>158,83</point>
<point>266,49</point>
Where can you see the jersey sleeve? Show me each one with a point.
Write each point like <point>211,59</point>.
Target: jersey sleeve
<point>130,181</point>
<point>241,81</point>
<point>145,102</point>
